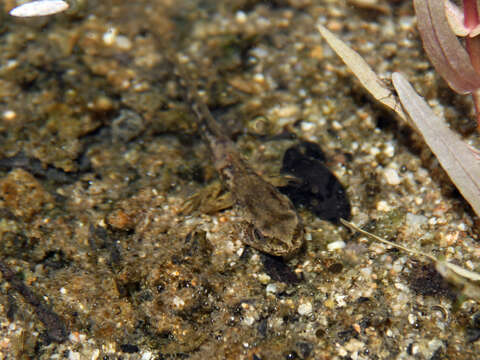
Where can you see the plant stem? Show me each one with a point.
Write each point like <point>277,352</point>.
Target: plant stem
<point>471,20</point>
<point>476,102</point>
<point>473,49</point>
<point>470,12</point>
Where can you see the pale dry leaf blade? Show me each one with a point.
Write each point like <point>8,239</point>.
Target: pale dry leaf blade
<point>467,274</point>
<point>367,77</point>
<point>455,156</point>
<point>39,8</point>
<point>444,50</point>
<point>467,280</point>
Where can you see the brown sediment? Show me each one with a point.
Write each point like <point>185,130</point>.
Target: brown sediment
<point>120,262</point>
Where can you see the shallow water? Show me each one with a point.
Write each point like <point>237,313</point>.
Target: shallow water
<point>98,156</point>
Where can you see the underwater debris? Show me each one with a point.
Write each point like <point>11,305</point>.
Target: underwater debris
<point>39,8</point>
<point>315,187</point>
<point>56,328</point>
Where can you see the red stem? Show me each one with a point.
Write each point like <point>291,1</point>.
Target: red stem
<point>473,49</point>
<point>470,12</point>
<point>471,20</point>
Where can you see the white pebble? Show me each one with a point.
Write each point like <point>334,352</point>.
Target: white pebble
<point>305,308</point>
<point>340,299</point>
<point>415,221</point>
<point>248,320</point>
<point>366,272</point>
<point>39,8</point>
<point>9,115</point>
<point>389,150</point>
<point>178,302</point>
<point>307,126</point>
<point>110,36</point>
<point>264,278</point>
<point>147,355</point>
<point>73,355</point>
<point>382,205</point>
<point>336,245</point>
<point>241,17</point>
<point>123,42</point>
<point>271,289</point>
<point>392,177</point>
<point>402,287</point>
<point>336,126</point>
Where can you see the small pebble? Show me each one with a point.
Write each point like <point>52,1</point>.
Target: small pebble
<point>366,272</point>
<point>392,177</point>
<point>241,17</point>
<point>127,126</point>
<point>147,355</point>
<point>248,320</point>
<point>123,42</point>
<point>73,355</point>
<point>415,221</point>
<point>271,289</point>
<point>305,308</point>
<point>9,115</point>
<point>336,245</point>
<point>178,302</point>
<point>382,205</point>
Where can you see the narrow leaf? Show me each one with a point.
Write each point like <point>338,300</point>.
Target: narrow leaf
<point>455,156</point>
<point>367,77</point>
<point>39,8</point>
<point>447,55</point>
<point>467,281</point>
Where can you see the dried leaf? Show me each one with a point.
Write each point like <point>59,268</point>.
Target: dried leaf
<point>367,77</point>
<point>464,273</point>
<point>455,156</point>
<point>447,55</point>
<point>39,8</point>
<point>466,280</point>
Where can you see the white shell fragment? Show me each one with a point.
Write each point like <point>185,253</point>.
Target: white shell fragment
<point>39,8</point>
<point>336,245</point>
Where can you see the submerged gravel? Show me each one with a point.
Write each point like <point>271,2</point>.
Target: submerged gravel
<point>99,159</point>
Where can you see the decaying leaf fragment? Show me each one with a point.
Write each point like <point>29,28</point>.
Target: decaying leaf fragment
<point>364,73</point>
<point>458,159</point>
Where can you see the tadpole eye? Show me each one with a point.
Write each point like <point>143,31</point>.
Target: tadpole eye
<point>258,235</point>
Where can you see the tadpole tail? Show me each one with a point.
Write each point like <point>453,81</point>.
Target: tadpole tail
<point>209,129</point>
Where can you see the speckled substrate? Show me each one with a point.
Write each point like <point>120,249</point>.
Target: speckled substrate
<point>99,227</point>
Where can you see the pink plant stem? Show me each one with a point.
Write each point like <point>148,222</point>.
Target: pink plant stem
<point>471,20</point>
<point>473,49</point>
<point>476,102</point>
<point>470,12</point>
